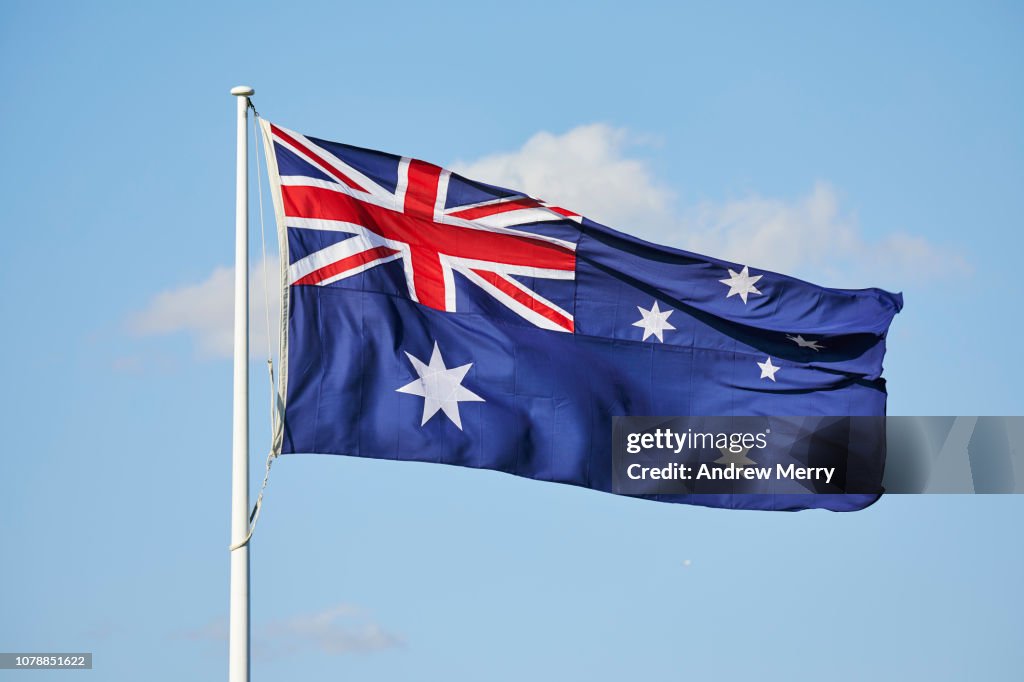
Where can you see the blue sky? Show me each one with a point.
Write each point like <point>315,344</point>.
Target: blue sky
<point>860,145</point>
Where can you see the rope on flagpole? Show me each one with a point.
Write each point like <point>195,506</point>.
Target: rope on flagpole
<point>255,515</point>
<point>263,245</point>
<point>274,413</point>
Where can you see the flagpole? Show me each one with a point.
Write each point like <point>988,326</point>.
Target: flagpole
<point>238,627</point>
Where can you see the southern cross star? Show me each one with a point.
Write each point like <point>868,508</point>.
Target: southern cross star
<point>805,343</point>
<point>741,283</point>
<point>768,370</point>
<point>654,322</point>
<point>440,387</point>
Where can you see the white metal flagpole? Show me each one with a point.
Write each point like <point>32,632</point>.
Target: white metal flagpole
<point>238,628</point>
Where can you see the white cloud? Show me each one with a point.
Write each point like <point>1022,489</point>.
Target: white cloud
<point>813,238</point>
<point>585,170</point>
<point>591,170</point>
<point>771,232</point>
<point>340,629</point>
<point>214,631</point>
<point>205,311</point>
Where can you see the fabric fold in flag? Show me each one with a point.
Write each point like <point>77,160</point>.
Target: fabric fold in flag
<point>434,318</point>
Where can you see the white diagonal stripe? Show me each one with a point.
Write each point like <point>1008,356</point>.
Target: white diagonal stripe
<point>336,252</point>
<point>339,166</point>
<point>520,216</point>
<point>523,311</point>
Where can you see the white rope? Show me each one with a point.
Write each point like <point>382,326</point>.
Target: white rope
<point>274,415</point>
<point>255,515</point>
<point>263,246</point>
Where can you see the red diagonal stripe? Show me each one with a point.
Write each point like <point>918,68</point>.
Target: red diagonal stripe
<point>325,166</point>
<point>496,208</point>
<point>563,211</point>
<point>525,299</point>
<point>420,233</point>
<point>340,266</point>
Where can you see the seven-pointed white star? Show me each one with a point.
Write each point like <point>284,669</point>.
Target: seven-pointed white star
<point>654,322</point>
<point>741,283</point>
<point>805,343</point>
<point>768,370</point>
<point>440,387</point>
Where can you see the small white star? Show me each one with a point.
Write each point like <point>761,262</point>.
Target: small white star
<point>440,387</point>
<point>768,370</point>
<point>654,322</point>
<point>741,283</point>
<point>805,343</point>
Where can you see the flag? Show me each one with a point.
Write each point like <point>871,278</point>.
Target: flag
<point>434,318</point>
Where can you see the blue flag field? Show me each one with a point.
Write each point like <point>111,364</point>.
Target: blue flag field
<point>433,318</point>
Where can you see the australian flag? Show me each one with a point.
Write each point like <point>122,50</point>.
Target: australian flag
<point>434,318</point>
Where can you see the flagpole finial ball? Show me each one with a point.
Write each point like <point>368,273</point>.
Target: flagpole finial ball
<point>242,91</point>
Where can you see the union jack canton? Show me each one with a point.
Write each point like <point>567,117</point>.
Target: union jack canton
<point>417,219</point>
